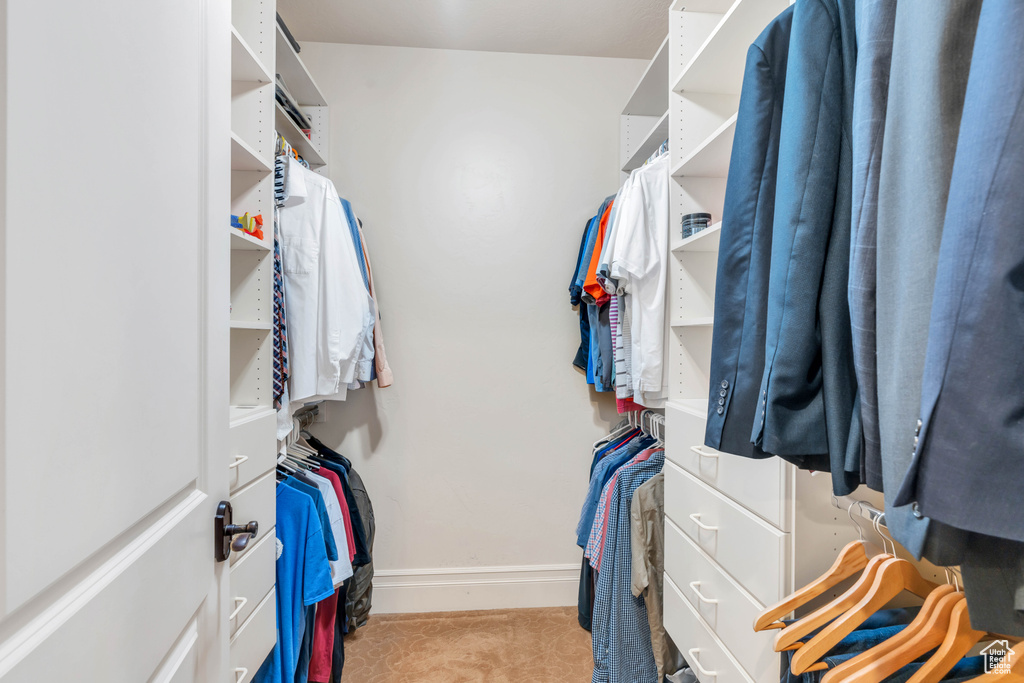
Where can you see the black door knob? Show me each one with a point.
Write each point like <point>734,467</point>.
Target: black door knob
<point>224,532</point>
<point>245,533</point>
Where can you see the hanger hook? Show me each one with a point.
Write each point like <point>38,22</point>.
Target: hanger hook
<point>853,520</point>
<point>885,535</point>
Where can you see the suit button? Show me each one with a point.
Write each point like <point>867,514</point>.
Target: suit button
<point>721,401</point>
<point>722,393</point>
<point>725,384</point>
<point>720,410</point>
<point>917,511</point>
<point>917,431</point>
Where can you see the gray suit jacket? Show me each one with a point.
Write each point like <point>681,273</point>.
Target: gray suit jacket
<point>969,467</point>
<point>808,388</point>
<point>931,58</point>
<point>875,22</point>
<point>741,291</point>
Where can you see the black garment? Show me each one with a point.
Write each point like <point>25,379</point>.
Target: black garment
<point>585,604</point>
<point>360,590</point>
<point>306,647</point>
<point>340,629</point>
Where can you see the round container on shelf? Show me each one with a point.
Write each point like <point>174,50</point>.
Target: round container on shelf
<point>694,223</point>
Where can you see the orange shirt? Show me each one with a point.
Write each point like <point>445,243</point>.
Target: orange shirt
<point>590,284</point>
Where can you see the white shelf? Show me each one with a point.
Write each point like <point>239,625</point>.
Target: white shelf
<point>711,6</point>
<point>295,75</point>
<point>694,406</point>
<point>706,240</point>
<point>711,158</point>
<point>249,325</point>
<point>718,65</point>
<point>242,240</point>
<point>295,137</point>
<point>239,415</point>
<point>245,65</point>
<point>650,97</point>
<point>245,158</point>
<point>706,321</point>
<point>652,141</point>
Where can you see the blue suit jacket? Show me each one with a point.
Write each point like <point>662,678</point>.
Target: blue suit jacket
<point>744,258</point>
<point>808,389</point>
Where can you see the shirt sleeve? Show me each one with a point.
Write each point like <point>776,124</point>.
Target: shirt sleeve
<point>316,570</point>
<point>638,546</point>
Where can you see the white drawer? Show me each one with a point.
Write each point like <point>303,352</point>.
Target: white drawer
<point>251,577</point>
<point>724,606</point>
<point>749,549</point>
<point>256,501</point>
<point>254,640</point>
<point>252,450</point>
<point>702,650</point>
<point>762,486</point>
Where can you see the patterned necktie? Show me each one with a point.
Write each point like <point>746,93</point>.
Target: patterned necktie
<point>280,331</point>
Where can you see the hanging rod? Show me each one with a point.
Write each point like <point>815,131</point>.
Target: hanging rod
<point>307,415</point>
<point>861,507</point>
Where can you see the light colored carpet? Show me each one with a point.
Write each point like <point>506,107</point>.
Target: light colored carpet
<point>504,646</point>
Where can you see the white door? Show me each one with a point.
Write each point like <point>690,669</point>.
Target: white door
<point>114,286</point>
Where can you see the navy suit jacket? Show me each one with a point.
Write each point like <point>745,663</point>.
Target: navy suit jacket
<point>744,258</point>
<point>808,388</point>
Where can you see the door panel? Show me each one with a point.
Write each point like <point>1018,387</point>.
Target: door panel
<point>119,599</point>
<point>104,351</point>
<point>114,346</point>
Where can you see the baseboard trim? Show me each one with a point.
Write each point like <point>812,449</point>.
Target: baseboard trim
<point>453,589</point>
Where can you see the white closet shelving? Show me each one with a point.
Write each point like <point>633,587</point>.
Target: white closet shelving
<point>303,88</point>
<point>252,448</point>
<point>733,526</point>
<point>645,120</point>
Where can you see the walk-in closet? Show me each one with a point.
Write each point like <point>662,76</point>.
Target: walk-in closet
<point>447,341</point>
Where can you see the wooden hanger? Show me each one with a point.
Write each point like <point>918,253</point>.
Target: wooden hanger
<point>1014,675</point>
<point>852,559</point>
<point>925,633</point>
<point>892,578</point>
<point>959,640</point>
<point>789,637</point>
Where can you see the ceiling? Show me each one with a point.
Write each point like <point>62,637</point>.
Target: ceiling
<point>595,28</point>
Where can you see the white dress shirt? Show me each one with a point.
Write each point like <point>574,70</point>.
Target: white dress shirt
<point>326,301</point>
<point>640,263</point>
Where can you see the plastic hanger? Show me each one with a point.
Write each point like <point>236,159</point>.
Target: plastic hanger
<point>922,635</point>
<point>893,577</point>
<point>789,638</point>
<point>1014,675</point>
<point>623,428</point>
<point>959,640</point>
<point>852,559</point>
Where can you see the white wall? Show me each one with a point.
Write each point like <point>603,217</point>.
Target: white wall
<point>474,173</point>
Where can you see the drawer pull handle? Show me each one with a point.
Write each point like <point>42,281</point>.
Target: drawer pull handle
<point>240,673</point>
<point>692,659</point>
<point>696,520</point>
<point>239,459</point>
<point>695,586</point>
<point>702,453</point>
<point>239,605</point>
